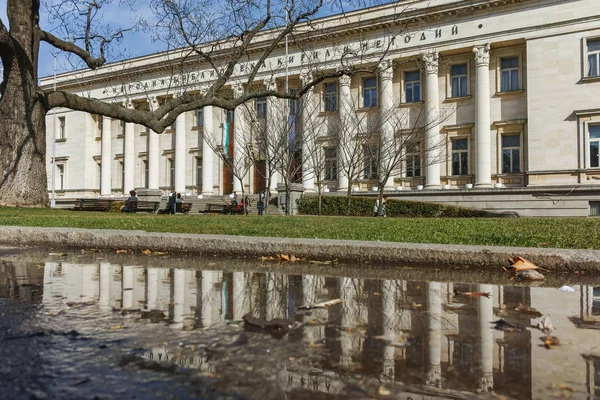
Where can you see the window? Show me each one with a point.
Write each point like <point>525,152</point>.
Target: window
<point>330,164</point>
<point>412,86</point>
<point>145,169</point>
<point>509,73</point>
<point>60,176</point>
<point>370,162</point>
<point>330,97</point>
<point>171,166</point>
<point>122,169</point>
<point>294,104</point>
<point>511,154</point>
<point>200,118</point>
<point>594,209</point>
<point>593,54</point>
<point>199,171</point>
<point>99,123</point>
<point>594,132</point>
<point>230,116</point>
<point>62,128</point>
<point>458,80</point>
<point>460,157</point>
<point>413,160</point>
<point>369,92</point>
<point>261,108</point>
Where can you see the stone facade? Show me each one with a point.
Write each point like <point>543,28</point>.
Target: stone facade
<point>516,81</point>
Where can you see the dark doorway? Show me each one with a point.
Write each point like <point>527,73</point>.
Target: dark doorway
<point>260,176</point>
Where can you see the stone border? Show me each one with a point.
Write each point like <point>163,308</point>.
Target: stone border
<point>353,251</point>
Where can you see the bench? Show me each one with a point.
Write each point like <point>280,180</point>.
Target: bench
<point>141,206</point>
<point>238,209</point>
<point>92,205</point>
<point>183,208</point>
<point>214,208</point>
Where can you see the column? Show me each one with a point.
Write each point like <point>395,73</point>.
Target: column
<point>432,122</point>
<point>386,139</point>
<point>434,333</point>
<point>105,178</point>
<point>312,333</point>
<point>153,152</point>
<point>238,137</point>
<point>208,161</point>
<point>483,173</point>
<point>180,133</point>
<point>275,127</point>
<point>240,301</point>
<point>129,156</point>
<point>485,311</point>
<point>346,128</point>
<point>104,297</point>
<point>349,295</point>
<point>152,296</point>
<point>127,287</point>
<point>178,298</point>
<point>309,134</point>
<point>389,327</point>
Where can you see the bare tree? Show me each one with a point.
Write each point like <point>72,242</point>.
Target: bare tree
<point>219,35</point>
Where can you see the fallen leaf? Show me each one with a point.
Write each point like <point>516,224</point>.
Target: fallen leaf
<point>160,253</point>
<point>283,257</point>
<point>146,252</point>
<point>550,342</point>
<point>523,309</point>
<point>521,264</point>
<point>124,251</point>
<point>505,326</point>
<point>267,258</point>
<point>329,262</point>
<point>472,294</point>
<point>325,305</point>
<point>115,327</point>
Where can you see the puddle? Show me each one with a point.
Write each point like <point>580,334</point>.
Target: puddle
<point>105,327</point>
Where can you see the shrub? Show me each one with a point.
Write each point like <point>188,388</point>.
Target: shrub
<point>115,206</point>
<point>363,206</point>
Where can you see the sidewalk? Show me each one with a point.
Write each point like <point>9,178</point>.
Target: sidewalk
<point>355,252</point>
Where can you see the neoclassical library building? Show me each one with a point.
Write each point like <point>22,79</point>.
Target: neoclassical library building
<point>518,83</point>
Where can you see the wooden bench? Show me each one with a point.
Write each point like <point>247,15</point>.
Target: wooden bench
<point>214,208</point>
<point>141,206</point>
<point>92,205</point>
<point>183,208</point>
<point>238,209</point>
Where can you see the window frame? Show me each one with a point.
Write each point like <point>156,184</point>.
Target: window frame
<point>502,149</point>
<point>410,157</point>
<point>586,54</point>
<point>61,175</point>
<point>589,142</point>
<point>371,90</point>
<point>466,151</point>
<point>467,76</point>
<point>198,171</point>
<point>170,172</point>
<point>260,103</point>
<point>199,122</point>
<point>370,154</point>
<point>327,95</point>
<point>145,173</point>
<point>330,174</point>
<point>405,84</point>
<point>511,52</point>
<point>62,128</point>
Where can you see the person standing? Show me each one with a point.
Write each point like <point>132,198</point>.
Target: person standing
<point>172,204</point>
<point>376,207</point>
<point>260,204</point>
<point>246,205</point>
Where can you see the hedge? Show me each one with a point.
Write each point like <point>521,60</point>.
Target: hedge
<point>363,206</point>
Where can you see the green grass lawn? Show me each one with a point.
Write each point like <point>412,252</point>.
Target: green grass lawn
<point>575,233</point>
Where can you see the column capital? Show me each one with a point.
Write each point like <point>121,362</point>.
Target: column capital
<point>238,89</point>
<point>386,70</point>
<point>345,80</point>
<point>127,104</point>
<point>431,62</point>
<point>270,83</point>
<point>152,103</point>
<point>482,55</point>
<point>306,78</point>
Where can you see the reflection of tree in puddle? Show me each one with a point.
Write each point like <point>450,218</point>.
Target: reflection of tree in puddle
<point>393,331</point>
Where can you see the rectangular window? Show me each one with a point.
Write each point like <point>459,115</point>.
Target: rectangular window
<point>412,86</point>
<point>370,162</point>
<point>122,169</point>
<point>62,128</point>
<point>458,80</point>
<point>330,164</point>
<point>460,157</point>
<point>145,169</point>
<point>509,73</point>
<point>199,171</point>
<point>261,108</point>
<point>511,154</point>
<point>594,209</point>
<point>60,176</point>
<point>230,116</point>
<point>594,132</point>
<point>413,160</point>
<point>593,57</point>
<point>294,104</point>
<point>330,97</point>
<point>199,118</point>
<point>369,92</point>
<point>171,166</point>
<point>99,175</point>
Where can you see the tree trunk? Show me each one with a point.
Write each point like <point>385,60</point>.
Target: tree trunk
<point>23,180</point>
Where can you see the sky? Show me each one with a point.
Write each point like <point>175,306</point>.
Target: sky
<point>134,45</point>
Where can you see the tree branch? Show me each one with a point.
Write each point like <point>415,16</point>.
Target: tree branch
<point>92,63</point>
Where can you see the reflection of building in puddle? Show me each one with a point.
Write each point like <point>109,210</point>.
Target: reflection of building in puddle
<point>449,343</point>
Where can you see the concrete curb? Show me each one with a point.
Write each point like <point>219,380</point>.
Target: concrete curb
<point>353,251</point>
